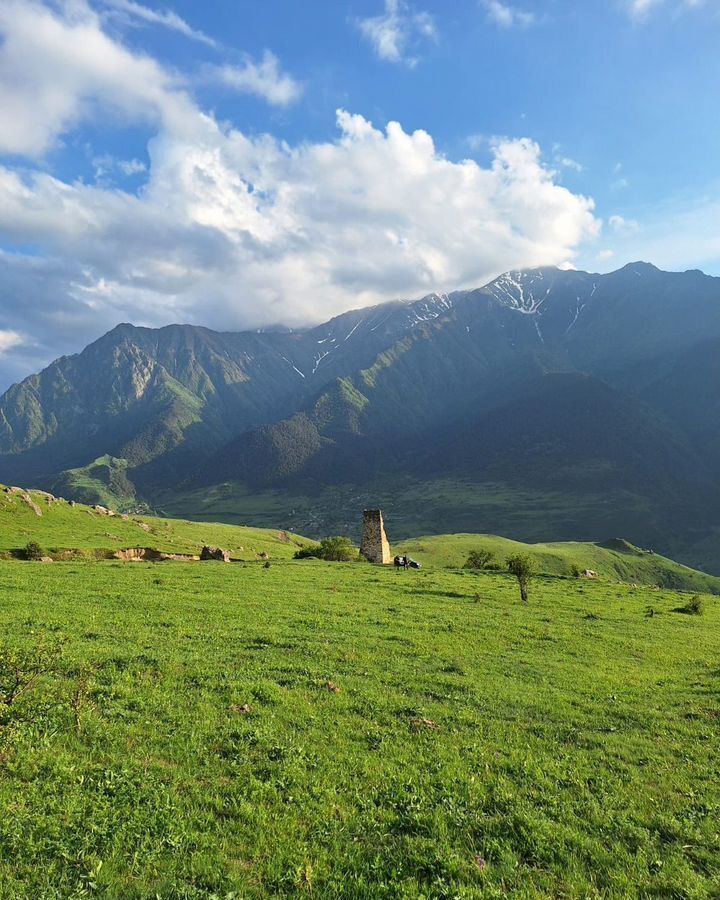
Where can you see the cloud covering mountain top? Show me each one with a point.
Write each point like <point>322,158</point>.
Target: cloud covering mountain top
<point>229,229</point>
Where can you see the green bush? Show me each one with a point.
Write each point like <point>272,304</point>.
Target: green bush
<point>333,549</point>
<point>480,559</point>
<point>694,606</point>
<point>33,551</point>
<point>575,571</point>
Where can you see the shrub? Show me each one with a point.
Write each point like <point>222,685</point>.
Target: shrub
<point>333,549</point>
<point>575,571</point>
<point>480,559</point>
<point>523,568</point>
<point>308,552</point>
<point>694,606</point>
<point>22,668</point>
<point>33,551</point>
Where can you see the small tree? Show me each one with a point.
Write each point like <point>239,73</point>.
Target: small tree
<point>338,549</point>
<point>523,568</point>
<point>333,549</point>
<point>33,551</point>
<point>479,559</point>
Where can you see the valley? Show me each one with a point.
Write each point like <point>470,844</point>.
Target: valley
<point>547,405</point>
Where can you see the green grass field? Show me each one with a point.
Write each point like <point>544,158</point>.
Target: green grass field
<point>182,741</point>
<point>616,560</point>
<point>63,527</point>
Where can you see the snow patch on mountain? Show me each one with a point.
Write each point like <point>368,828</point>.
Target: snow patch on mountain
<point>524,292</point>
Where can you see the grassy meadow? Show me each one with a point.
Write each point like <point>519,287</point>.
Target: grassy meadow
<point>341,730</point>
<point>84,531</point>
<point>615,560</point>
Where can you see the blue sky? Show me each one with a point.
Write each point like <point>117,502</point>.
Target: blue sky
<point>239,164</point>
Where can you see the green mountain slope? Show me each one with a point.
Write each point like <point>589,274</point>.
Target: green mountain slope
<point>589,394</point>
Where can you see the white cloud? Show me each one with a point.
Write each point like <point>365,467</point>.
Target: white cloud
<point>507,16</point>
<point>56,70</point>
<point>640,10</point>
<point>9,339</point>
<point>265,79</point>
<point>567,163</point>
<point>106,165</point>
<point>476,141</point>
<point>131,166</point>
<point>233,231</point>
<point>132,11</point>
<point>623,226</point>
<point>396,29</point>
<point>605,255</point>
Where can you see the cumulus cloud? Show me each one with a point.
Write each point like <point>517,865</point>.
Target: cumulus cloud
<point>237,231</point>
<point>507,16</point>
<point>394,31</point>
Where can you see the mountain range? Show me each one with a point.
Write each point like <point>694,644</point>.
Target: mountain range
<point>546,405</point>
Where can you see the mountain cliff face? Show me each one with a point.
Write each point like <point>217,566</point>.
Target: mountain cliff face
<point>559,381</point>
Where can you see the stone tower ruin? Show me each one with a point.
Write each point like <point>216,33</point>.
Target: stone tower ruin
<point>374,547</point>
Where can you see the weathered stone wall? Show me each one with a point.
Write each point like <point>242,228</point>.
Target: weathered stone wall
<point>375,547</point>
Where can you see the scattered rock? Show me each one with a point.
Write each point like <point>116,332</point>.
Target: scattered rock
<point>26,498</point>
<point>243,709</point>
<point>263,555</point>
<point>143,525</point>
<point>124,517</point>
<point>71,503</point>
<point>13,490</point>
<point>588,573</point>
<point>103,510</point>
<point>332,687</point>
<point>46,559</point>
<point>214,553</point>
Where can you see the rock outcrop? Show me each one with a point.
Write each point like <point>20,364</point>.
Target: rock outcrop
<point>27,499</point>
<point>214,553</point>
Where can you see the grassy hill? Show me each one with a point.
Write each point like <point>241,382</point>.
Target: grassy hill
<point>328,730</point>
<point>103,481</point>
<point>61,526</point>
<point>616,560</point>
<point>451,505</point>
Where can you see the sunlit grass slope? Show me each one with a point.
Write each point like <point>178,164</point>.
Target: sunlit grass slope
<point>62,527</point>
<point>186,743</point>
<point>616,560</point>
